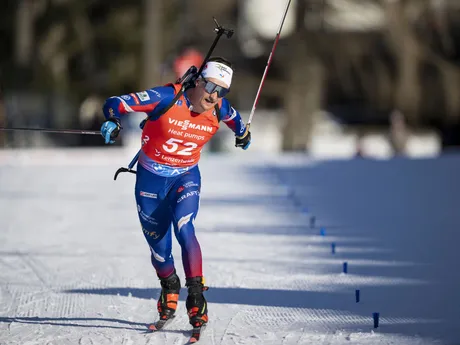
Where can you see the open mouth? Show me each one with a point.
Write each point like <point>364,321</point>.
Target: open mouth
<point>209,100</point>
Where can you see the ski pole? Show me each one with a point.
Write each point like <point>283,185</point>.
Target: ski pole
<point>50,130</point>
<point>277,37</point>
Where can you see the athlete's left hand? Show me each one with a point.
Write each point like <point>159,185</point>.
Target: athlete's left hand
<point>243,141</point>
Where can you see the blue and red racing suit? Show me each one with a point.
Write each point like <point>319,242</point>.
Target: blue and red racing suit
<point>168,178</point>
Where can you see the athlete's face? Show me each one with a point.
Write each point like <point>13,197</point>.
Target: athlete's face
<point>201,99</point>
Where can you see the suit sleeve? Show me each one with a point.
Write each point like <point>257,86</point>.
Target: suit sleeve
<point>232,118</point>
<point>150,102</point>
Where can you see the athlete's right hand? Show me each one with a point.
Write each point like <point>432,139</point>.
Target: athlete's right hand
<point>110,130</point>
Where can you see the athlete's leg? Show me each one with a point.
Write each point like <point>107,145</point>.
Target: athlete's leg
<point>155,216</point>
<point>185,199</point>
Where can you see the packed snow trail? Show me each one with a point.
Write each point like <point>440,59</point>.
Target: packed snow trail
<point>75,268</point>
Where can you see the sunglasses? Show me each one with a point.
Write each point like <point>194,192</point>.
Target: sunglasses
<point>211,87</point>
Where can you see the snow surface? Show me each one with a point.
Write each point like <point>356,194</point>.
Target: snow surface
<point>75,268</point>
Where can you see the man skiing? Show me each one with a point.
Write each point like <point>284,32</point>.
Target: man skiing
<point>168,179</point>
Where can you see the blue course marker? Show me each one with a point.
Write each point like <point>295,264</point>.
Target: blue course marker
<point>333,248</point>
<point>322,232</point>
<point>345,267</point>
<point>357,295</point>
<point>376,317</point>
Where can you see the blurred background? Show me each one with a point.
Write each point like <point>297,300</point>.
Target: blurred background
<point>350,78</point>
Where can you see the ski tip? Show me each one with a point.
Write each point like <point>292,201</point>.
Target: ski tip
<point>193,340</point>
<point>156,326</point>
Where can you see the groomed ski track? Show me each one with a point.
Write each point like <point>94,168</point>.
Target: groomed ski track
<point>74,266</point>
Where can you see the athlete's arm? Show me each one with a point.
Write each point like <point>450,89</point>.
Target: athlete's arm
<point>150,101</point>
<point>232,118</point>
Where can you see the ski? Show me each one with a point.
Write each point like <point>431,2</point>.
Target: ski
<point>196,333</point>
<point>160,324</point>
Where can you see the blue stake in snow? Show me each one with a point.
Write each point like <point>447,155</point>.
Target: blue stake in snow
<point>345,267</point>
<point>312,222</point>
<point>376,316</point>
<point>333,248</point>
<point>357,295</point>
<point>322,232</point>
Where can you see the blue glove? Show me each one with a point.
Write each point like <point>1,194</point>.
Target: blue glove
<point>244,141</point>
<point>110,130</point>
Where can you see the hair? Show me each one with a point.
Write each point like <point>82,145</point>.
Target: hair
<point>221,60</point>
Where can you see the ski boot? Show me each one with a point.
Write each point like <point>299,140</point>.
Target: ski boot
<point>197,307</point>
<point>167,303</point>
